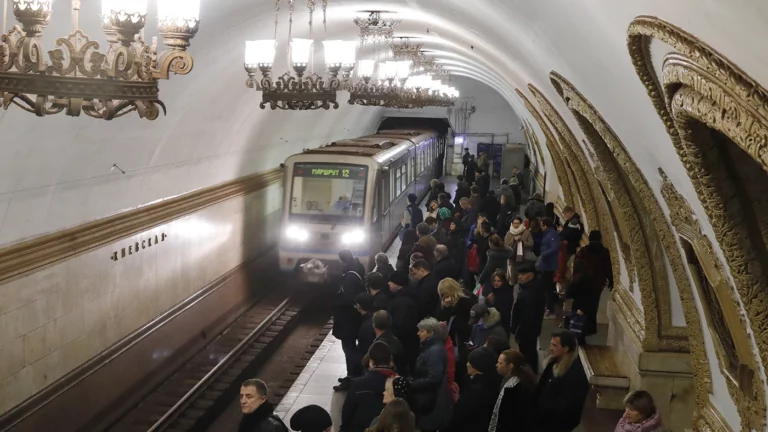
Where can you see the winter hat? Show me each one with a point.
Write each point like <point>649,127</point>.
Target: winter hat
<point>399,278</point>
<point>595,236</point>
<point>311,418</point>
<point>412,197</point>
<point>484,360</point>
<point>444,214</point>
<point>400,387</point>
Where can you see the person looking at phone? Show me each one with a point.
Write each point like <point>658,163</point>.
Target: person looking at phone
<point>485,321</point>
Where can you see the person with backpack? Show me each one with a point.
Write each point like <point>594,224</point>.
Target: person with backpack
<point>412,216</point>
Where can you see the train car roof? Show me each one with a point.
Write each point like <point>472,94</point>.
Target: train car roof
<point>364,146</point>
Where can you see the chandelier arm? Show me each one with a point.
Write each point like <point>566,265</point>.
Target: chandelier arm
<point>178,62</point>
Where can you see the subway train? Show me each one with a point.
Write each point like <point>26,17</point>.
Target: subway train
<point>352,194</point>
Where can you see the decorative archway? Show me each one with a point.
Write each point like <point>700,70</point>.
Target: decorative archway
<point>592,201</point>
<point>717,119</point>
<point>554,149</point>
<point>640,219</point>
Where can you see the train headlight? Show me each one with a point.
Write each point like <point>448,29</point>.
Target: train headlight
<point>353,237</point>
<point>297,233</point>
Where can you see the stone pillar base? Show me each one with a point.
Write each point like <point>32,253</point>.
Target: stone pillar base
<point>667,376</point>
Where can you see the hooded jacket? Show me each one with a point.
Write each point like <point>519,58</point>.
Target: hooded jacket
<point>490,326</point>
<point>651,424</point>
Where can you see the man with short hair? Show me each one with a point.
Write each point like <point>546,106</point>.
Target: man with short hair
<point>346,319</point>
<point>382,324</point>
<point>572,230</point>
<point>465,160</point>
<point>483,182</point>
<point>377,287</point>
<point>363,339</point>
<point>563,387</point>
<point>516,184</point>
<point>258,411</point>
<point>426,244</point>
<point>426,289</point>
<point>364,400</point>
<point>444,265</point>
<point>436,230</point>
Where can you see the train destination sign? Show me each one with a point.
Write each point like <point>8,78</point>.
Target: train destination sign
<point>330,171</point>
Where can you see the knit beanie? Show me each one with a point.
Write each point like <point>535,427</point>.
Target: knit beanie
<point>311,418</point>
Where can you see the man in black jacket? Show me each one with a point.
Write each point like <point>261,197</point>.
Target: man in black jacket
<point>528,314</point>
<point>562,388</point>
<point>377,287</point>
<point>572,230</point>
<point>405,316</point>
<point>258,412</point>
<point>462,190</point>
<point>484,183</point>
<point>346,318</point>
<point>382,324</point>
<point>445,267</point>
<point>364,400</point>
<point>426,289</point>
<point>365,334</point>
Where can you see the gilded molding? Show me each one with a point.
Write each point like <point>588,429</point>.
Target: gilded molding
<point>592,201</point>
<point>701,85</point>
<point>552,146</point>
<point>31,255</point>
<point>683,218</point>
<point>629,309</point>
<point>535,139</point>
<point>639,215</point>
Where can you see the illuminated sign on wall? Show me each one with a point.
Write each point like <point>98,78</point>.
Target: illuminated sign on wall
<point>330,171</point>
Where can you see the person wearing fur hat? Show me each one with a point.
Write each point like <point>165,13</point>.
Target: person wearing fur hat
<point>311,418</point>
<point>474,408</point>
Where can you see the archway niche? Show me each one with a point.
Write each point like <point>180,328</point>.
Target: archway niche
<point>593,205</point>
<point>717,118</point>
<point>566,182</point>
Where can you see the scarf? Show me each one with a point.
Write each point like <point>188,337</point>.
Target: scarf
<point>651,424</point>
<point>495,418</point>
<point>518,231</point>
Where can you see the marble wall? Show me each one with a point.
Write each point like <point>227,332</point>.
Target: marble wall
<point>55,319</point>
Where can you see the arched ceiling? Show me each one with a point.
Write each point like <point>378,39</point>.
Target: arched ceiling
<point>215,130</point>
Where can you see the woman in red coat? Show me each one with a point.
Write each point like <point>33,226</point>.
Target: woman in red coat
<point>450,352</point>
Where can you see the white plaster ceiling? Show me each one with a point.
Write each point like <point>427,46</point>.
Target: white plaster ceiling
<point>215,131</point>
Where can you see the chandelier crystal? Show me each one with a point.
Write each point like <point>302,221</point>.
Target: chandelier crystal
<point>78,78</point>
<point>300,92</point>
<point>376,27</point>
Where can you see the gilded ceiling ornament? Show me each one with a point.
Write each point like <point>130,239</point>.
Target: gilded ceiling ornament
<point>700,89</point>
<point>552,146</point>
<point>81,79</point>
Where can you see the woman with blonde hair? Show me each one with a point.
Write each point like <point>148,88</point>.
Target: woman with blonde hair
<point>432,209</point>
<point>455,306</point>
<point>395,417</point>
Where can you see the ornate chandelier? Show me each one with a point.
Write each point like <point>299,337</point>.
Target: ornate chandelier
<point>375,27</point>
<point>79,78</point>
<point>301,92</point>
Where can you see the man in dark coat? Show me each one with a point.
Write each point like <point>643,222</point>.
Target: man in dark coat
<point>426,289</point>
<point>528,314</point>
<point>484,183</point>
<point>572,230</point>
<point>436,230</point>
<point>562,389</point>
<point>377,287</point>
<point>311,418</point>
<point>351,262</point>
<point>598,261</point>
<point>365,334</point>
<point>346,318</point>
<point>445,267</point>
<point>465,160</point>
<point>405,316</point>
<point>471,171</point>
<point>491,207</point>
<point>364,400</point>
<point>479,391</point>
<point>258,412</point>
<point>462,190</point>
<point>382,325</point>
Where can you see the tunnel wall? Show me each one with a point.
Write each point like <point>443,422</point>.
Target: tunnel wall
<point>54,319</point>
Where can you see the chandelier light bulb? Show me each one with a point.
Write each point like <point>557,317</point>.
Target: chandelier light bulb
<point>333,52</point>
<point>33,14</point>
<point>349,53</point>
<point>403,68</point>
<point>178,12</point>
<point>129,7</point>
<point>366,68</point>
<point>390,69</point>
<point>260,52</point>
<point>300,51</point>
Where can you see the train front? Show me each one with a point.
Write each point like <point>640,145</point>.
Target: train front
<point>324,212</point>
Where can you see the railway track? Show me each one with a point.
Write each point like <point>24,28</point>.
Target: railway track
<point>201,390</point>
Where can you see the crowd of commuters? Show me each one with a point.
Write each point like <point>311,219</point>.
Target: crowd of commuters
<point>427,339</point>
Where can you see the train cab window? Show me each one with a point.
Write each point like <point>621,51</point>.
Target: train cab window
<point>328,193</point>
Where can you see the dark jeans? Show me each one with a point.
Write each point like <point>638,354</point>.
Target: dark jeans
<point>550,290</point>
<point>352,357</point>
<point>592,315</point>
<point>527,345</point>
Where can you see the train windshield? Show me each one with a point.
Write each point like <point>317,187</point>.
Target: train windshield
<point>328,193</point>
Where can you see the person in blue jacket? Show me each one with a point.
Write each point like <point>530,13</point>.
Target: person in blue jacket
<point>548,262</point>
